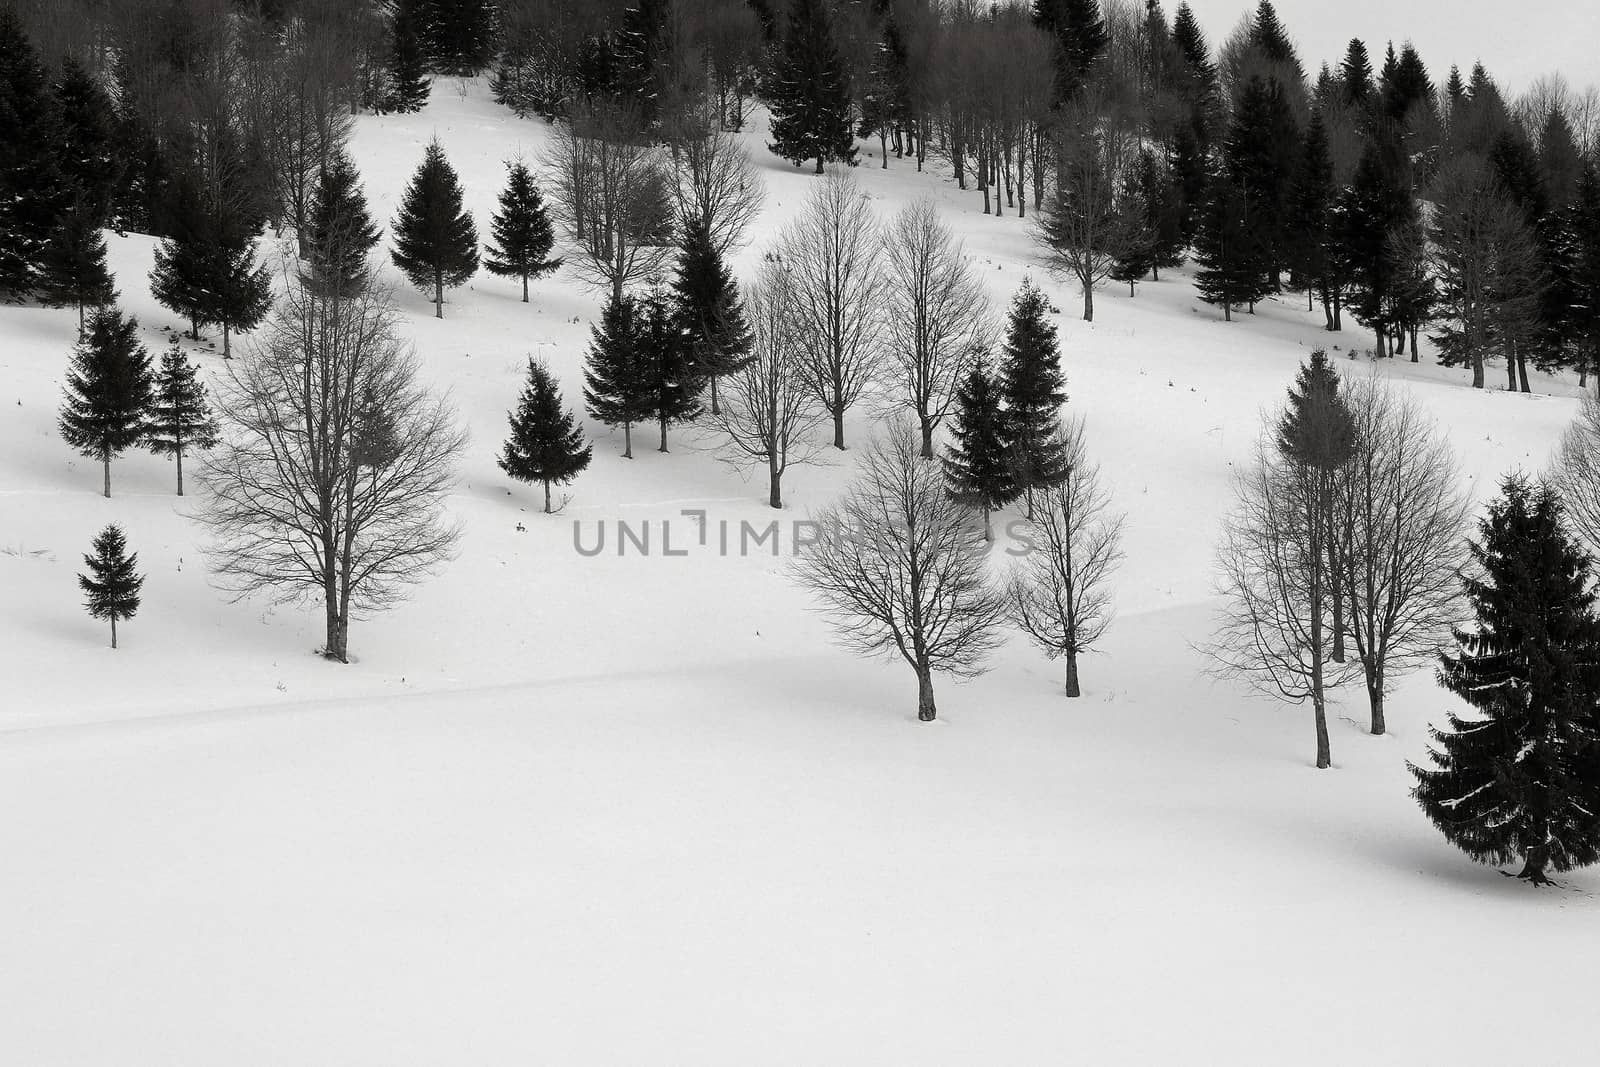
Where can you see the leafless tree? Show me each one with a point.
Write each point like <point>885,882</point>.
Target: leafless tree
<point>938,317</point>
<point>1576,474</point>
<point>767,414</point>
<point>1059,591</point>
<point>1402,519</point>
<point>832,253</point>
<point>613,196</point>
<point>716,185</point>
<point>330,480</point>
<point>897,569</point>
<point>1272,560</point>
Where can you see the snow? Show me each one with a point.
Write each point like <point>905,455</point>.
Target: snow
<point>635,808</point>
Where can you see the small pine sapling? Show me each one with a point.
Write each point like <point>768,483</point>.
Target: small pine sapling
<point>546,444</point>
<point>180,416</point>
<point>112,584</point>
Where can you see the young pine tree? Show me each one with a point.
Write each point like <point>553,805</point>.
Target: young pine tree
<point>808,90</point>
<point>180,416</point>
<point>242,288</point>
<point>1032,389</point>
<point>709,312</point>
<point>546,444</point>
<point>436,244</point>
<point>1522,779</point>
<point>978,465</point>
<point>675,382</point>
<point>342,232</point>
<point>521,232</point>
<point>108,390</point>
<point>408,59</point>
<point>617,385</point>
<point>1233,257</point>
<point>73,268</point>
<point>112,584</point>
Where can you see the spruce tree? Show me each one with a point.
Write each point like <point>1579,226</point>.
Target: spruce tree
<point>674,380</point>
<point>112,585</point>
<point>979,467</point>
<point>33,190</point>
<point>88,154</point>
<point>242,288</point>
<point>342,232</point>
<point>459,35</point>
<point>1032,389</point>
<point>546,444</point>
<point>73,268</point>
<point>108,390</point>
<point>408,59</point>
<point>1521,779</point>
<point>808,90</point>
<point>1261,157</point>
<point>1374,208</point>
<point>521,232</point>
<point>1309,217</point>
<point>709,312</point>
<point>436,244</point>
<point>617,387</point>
<point>1080,37</point>
<point>185,261</point>
<point>180,417</point>
<point>1233,262</point>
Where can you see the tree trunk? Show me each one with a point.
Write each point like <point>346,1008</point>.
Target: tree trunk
<point>1522,370</point>
<point>819,163</point>
<point>227,342</point>
<point>1477,370</point>
<point>113,631</point>
<point>1414,350</point>
<point>524,288</point>
<point>927,438</point>
<point>838,428</point>
<point>1227,312</point>
<point>715,409</point>
<point>1072,675</point>
<point>334,643</point>
<point>1533,867</point>
<point>547,498</point>
<point>663,447</point>
<point>627,440</point>
<point>107,463</point>
<point>179,456</point>
<point>926,711</point>
<point>1088,303</point>
<point>1375,695</point>
<point>774,482</point>
<point>438,294</point>
<point>1324,756</point>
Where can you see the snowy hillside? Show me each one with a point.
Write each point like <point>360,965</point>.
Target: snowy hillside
<point>642,809</point>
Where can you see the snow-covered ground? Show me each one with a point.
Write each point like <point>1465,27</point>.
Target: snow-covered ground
<point>642,810</point>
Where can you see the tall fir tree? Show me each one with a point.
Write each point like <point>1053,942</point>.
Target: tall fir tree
<point>1309,218</point>
<point>243,287</point>
<point>617,383</point>
<point>33,191</point>
<point>1080,37</point>
<point>184,261</point>
<point>1373,209</point>
<point>88,155</point>
<point>207,269</point>
<point>460,35</point>
<point>111,588</point>
<point>674,380</point>
<point>1521,779</point>
<point>709,312</point>
<point>342,233</point>
<point>1032,389</point>
<point>978,463</point>
<point>1261,154</point>
<point>407,67</point>
<point>436,243</point>
<point>107,403</point>
<point>72,270</point>
<point>180,416</point>
<point>808,90</point>
<point>546,444</point>
<point>1232,257</point>
<point>521,232</point>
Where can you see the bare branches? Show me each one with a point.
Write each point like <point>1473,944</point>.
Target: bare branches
<point>1059,592</point>
<point>938,315</point>
<point>335,463</point>
<point>717,186</point>
<point>1576,474</point>
<point>899,572</point>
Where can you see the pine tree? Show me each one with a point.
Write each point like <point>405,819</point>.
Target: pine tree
<point>1151,201</point>
<point>708,309</point>
<point>72,269</point>
<point>408,59</point>
<point>674,380</point>
<point>1317,429</point>
<point>88,155</point>
<point>617,387</point>
<point>33,191</point>
<point>1080,36</point>
<point>808,91</point>
<point>459,35</point>
<point>180,417</point>
<point>436,244</point>
<point>521,232</point>
<point>1233,263</point>
<point>108,390</point>
<point>1261,156</point>
<point>1032,389</point>
<point>1374,208</point>
<point>979,468</point>
<point>1309,217</point>
<point>112,584</point>
<point>181,273</point>
<point>342,232</point>
<point>242,290</point>
<point>1522,779</point>
<point>642,49</point>
<point>546,445</point>
<point>206,270</point>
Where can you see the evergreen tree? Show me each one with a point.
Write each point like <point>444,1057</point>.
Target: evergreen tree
<point>1186,162</point>
<point>978,463</point>
<point>1261,156</point>
<point>521,232</point>
<point>182,265</point>
<point>1522,779</point>
<point>72,269</point>
<point>206,270</point>
<point>1152,205</point>
<point>108,390</point>
<point>1080,37</point>
<point>112,584</point>
<point>342,232</point>
<point>1585,230</point>
<point>88,154</point>
<point>1317,429</point>
<point>1355,76</point>
<point>617,383</point>
<point>545,445</point>
<point>1309,218</point>
<point>180,417</point>
<point>808,90</point>
<point>459,35</point>
<point>436,244</point>
<point>33,191</point>
<point>674,380</point>
<point>1233,262</point>
<point>1199,88</point>
<point>1033,389</point>
<point>641,50</point>
<point>709,312</point>
<point>408,59</point>
<point>1374,208</point>
<point>243,288</point>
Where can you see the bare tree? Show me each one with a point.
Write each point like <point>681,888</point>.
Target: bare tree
<point>1402,520</point>
<point>330,480</point>
<point>898,571</point>
<point>1058,591</point>
<point>716,185</point>
<point>832,253</point>
<point>613,196</point>
<point>1576,474</point>
<point>767,413</point>
<point>937,311</point>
